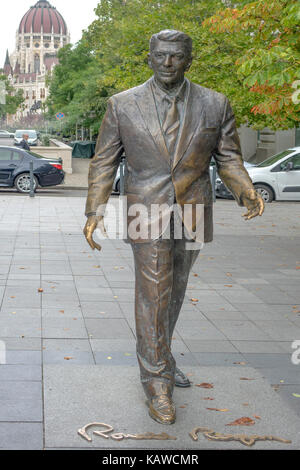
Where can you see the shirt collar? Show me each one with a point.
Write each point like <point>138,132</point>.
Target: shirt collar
<point>160,93</point>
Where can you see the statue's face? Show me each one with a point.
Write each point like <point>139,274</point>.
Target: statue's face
<point>169,61</point>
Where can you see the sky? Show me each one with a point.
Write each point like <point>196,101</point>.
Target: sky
<point>77,14</point>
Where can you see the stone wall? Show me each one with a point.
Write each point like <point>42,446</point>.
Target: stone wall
<point>57,149</point>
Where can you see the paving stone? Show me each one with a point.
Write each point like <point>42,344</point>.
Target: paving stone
<point>116,345</point>
<point>101,309</point>
<point>21,436</point>
<point>240,330</point>
<point>287,393</point>
<point>23,357</point>
<point>215,346</point>
<point>280,330</point>
<point>218,359</point>
<point>70,404</point>
<point>108,328</point>
<point>67,356</point>
<point>269,360</point>
<point>20,372</point>
<point>201,330</point>
<point>21,402</point>
<point>22,344</point>
<point>258,347</point>
<point>58,327</point>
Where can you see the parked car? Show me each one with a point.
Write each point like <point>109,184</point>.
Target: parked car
<point>15,168</point>
<point>32,137</point>
<point>6,135</point>
<point>278,177</point>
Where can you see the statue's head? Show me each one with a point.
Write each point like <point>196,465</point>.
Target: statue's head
<point>170,56</point>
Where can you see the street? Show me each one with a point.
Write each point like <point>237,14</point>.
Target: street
<point>67,323</point>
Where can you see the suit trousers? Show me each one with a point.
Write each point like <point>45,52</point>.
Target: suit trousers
<point>162,270</point>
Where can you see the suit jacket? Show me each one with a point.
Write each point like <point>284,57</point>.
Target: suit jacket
<point>154,176</point>
<point>24,144</point>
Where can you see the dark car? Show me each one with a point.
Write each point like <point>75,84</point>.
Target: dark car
<point>15,169</point>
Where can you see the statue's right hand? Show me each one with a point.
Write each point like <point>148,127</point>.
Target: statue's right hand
<point>90,227</point>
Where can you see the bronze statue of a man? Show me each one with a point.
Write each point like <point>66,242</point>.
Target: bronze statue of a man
<point>168,128</point>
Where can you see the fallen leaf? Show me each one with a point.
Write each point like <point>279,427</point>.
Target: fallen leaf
<point>245,404</point>
<point>245,378</point>
<point>40,290</point>
<point>205,385</point>
<point>217,409</point>
<point>109,358</point>
<point>296,395</point>
<point>229,274</point>
<point>207,398</point>
<point>196,275</point>
<point>194,300</point>
<point>61,311</point>
<point>244,421</point>
<point>256,417</point>
<point>68,358</point>
<point>228,285</point>
<point>240,363</point>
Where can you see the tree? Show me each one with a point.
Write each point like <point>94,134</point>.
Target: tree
<point>269,67</point>
<point>120,40</point>
<point>74,89</point>
<point>12,99</point>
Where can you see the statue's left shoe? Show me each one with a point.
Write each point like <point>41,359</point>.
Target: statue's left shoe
<point>181,379</point>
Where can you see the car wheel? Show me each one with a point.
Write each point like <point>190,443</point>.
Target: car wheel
<point>22,183</point>
<point>265,191</point>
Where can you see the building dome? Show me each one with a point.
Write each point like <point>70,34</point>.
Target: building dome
<point>43,18</point>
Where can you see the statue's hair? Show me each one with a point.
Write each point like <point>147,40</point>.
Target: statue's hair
<point>172,35</point>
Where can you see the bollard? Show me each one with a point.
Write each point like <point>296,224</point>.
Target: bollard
<point>31,193</point>
<point>122,179</point>
<point>213,177</point>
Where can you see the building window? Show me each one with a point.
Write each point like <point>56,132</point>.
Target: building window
<point>47,45</point>
<point>37,63</point>
<point>37,44</point>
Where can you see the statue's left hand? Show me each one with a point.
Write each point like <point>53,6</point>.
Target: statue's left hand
<point>253,202</point>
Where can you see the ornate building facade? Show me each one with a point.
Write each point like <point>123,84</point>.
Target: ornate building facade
<point>41,33</point>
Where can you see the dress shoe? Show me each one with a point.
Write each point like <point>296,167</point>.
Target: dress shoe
<point>162,409</point>
<point>181,379</point>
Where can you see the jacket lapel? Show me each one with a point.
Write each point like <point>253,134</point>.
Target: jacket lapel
<point>191,120</point>
<point>145,102</point>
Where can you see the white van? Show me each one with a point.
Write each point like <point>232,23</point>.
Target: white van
<point>278,177</point>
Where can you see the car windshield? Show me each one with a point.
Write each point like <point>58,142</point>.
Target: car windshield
<point>31,134</point>
<point>274,158</point>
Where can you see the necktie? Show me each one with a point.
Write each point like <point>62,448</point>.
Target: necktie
<point>171,124</point>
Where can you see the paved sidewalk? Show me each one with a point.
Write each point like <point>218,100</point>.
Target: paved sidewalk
<point>70,355</point>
